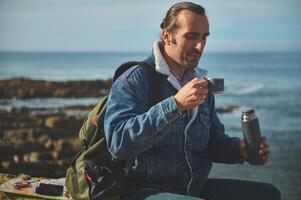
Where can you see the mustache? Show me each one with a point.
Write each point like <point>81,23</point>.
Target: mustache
<point>194,51</point>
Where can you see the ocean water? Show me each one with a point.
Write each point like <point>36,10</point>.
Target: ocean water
<point>268,82</point>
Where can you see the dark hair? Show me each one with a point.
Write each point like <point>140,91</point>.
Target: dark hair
<point>169,23</point>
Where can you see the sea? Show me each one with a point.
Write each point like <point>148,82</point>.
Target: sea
<point>266,81</point>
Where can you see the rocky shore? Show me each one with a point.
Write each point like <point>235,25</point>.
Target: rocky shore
<point>41,141</point>
<point>22,88</point>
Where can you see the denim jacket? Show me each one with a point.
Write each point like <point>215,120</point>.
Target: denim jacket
<point>171,150</point>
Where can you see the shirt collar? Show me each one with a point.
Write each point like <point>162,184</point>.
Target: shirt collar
<point>188,75</point>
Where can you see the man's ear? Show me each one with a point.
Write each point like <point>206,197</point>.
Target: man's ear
<point>166,37</point>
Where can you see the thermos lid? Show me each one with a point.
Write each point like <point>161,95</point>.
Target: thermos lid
<point>248,111</point>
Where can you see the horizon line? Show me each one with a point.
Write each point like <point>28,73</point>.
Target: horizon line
<point>140,52</point>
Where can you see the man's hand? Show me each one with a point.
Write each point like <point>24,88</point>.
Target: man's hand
<point>192,94</point>
<point>263,150</point>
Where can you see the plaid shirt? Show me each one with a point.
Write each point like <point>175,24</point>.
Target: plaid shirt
<point>188,75</point>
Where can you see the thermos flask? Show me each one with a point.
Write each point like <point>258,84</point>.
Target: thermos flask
<point>252,135</point>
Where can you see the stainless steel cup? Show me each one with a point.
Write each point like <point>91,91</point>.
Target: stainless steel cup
<point>216,85</point>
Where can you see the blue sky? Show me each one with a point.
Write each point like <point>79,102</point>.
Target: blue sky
<point>133,25</point>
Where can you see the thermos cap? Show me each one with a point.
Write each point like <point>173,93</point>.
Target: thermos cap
<point>248,111</point>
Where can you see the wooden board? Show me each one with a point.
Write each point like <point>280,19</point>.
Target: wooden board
<point>24,187</point>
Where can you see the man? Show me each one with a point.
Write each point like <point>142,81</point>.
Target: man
<point>174,143</point>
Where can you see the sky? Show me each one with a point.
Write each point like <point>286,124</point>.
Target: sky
<point>133,25</point>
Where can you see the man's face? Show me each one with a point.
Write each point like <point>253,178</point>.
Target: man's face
<point>186,45</point>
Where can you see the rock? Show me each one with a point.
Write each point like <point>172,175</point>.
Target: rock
<point>22,88</point>
<point>6,151</point>
<point>35,157</point>
<point>63,126</point>
<point>63,149</point>
<point>12,132</point>
<point>51,121</point>
<point>48,169</point>
<point>32,157</point>
<point>228,109</point>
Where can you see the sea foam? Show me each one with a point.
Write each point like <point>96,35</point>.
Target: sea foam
<point>244,88</point>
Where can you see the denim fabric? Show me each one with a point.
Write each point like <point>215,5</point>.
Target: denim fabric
<point>167,150</point>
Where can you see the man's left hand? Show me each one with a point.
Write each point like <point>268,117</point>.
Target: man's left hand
<point>263,150</point>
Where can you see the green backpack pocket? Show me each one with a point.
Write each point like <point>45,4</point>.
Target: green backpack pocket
<point>96,177</point>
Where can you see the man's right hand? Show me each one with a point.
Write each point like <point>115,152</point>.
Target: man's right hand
<point>192,94</point>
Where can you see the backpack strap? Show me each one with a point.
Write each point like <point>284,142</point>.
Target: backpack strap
<point>123,67</point>
<point>155,90</point>
<point>155,80</point>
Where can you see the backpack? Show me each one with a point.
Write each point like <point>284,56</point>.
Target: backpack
<point>94,173</point>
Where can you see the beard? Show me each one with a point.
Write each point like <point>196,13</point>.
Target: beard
<point>191,59</point>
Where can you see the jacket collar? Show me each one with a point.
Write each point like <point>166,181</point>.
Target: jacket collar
<point>162,66</point>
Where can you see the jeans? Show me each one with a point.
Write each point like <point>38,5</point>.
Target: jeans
<point>215,189</point>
